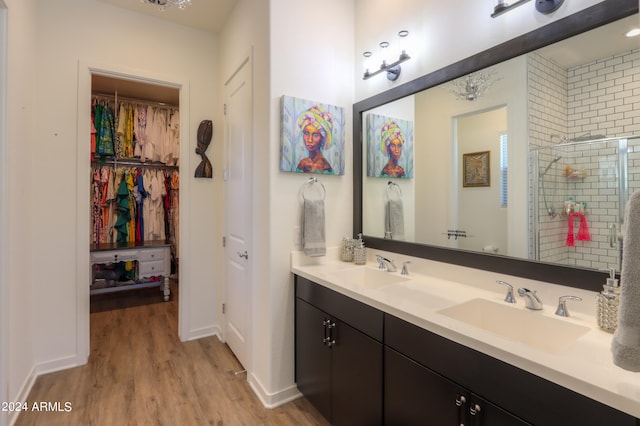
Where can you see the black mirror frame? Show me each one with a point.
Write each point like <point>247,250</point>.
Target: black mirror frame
<point>600,14</point>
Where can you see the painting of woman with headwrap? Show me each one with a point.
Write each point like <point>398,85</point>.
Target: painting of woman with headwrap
<point>312,139</point>
<point>389,147</point>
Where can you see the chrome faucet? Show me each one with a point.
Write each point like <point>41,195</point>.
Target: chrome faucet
<point>384,263</point>
<point>405,268</point>
<point>509,297</point>
<point>562,305</point>
<point>531,299</point>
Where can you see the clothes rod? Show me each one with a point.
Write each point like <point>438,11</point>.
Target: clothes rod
<point>133,163</point>
<point>134,100</point>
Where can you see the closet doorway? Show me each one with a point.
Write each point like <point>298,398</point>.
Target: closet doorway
<point>134,185</point>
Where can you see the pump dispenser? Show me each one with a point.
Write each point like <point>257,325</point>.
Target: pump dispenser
<point>360,252</point>
<point>608,303</point>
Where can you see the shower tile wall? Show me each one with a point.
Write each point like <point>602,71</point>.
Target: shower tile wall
<point>593,104</point>
<point>547,124</point>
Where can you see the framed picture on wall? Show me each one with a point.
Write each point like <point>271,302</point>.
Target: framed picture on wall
<point>476,169</point>
<point>312,137</point>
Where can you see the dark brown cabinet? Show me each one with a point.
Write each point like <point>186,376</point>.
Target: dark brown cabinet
<point>360,366</point>
<point>338,365</point>
<point>481,378</point>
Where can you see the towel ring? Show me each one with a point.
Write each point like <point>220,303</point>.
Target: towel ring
<point>310,183</point>
<point>393,185</point>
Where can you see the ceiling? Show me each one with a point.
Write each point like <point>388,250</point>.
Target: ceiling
<point>207,15</point>
<point>595,44</point>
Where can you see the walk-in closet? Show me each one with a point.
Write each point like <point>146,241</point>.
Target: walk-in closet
<point>135,195</point>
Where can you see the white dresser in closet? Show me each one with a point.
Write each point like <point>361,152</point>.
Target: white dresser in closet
<point>153,261</point>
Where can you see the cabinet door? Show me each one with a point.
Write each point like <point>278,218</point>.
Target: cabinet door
<point>481,412</point>
<point>313,357</point>
<point>414,395</point>
<point>356,375</point>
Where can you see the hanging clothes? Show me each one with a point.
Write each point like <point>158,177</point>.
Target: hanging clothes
<point>122,224</point>
<point>105,144</point>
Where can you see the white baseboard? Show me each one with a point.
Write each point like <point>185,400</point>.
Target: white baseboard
<point>23,394</point>
<point>199,333</point>
<point>275,399</point>
<point>57,365</point>
<point>38,370</point>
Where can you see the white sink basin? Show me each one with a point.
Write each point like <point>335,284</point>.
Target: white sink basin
<point>367,277</point>
<point>517,323</point>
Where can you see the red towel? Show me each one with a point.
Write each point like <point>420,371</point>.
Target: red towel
<point>583,231</point>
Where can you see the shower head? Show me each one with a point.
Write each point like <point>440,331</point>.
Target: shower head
<point>555,160</point>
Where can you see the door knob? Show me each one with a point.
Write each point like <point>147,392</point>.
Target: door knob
<point>245,255</point>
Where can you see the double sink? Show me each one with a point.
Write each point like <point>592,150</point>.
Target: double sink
<point>513,322</point>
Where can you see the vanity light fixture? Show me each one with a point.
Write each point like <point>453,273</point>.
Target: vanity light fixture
<point>470,87</point>
<point>393,69</point>
<point>503,6</point>
<point>164,4</point>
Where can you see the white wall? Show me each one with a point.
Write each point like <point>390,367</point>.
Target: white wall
<point>17,278</point>
<point>311,58</point>
<point>49,188</point>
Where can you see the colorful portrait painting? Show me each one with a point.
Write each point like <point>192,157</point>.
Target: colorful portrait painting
<point>389,147</point>
<point>312,137</point>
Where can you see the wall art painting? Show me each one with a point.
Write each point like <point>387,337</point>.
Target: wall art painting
<point>389,147</point>
<point>476,169</point>
<point>312,137</point>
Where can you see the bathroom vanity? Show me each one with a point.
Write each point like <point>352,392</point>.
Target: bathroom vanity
<point>375,347</point>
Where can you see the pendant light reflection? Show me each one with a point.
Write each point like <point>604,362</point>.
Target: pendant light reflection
<point>471,86</point>
<point>164,4</point>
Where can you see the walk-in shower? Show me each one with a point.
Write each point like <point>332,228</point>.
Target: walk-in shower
<point>589,180</point>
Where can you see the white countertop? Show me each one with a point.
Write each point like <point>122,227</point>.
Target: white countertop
<point>584,366</point>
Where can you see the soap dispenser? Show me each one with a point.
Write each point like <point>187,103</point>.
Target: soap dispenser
<point>608,303</point>
<point>360,252</point>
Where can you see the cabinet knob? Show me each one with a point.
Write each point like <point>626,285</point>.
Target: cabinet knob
<point>461,400</point>
<point>474,409</point>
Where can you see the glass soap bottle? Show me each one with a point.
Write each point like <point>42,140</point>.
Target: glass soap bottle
<point>608,302</point>
<point>360,252</point>
<point>348,245</point>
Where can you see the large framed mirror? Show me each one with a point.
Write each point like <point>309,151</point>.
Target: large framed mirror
<point>510,163</point>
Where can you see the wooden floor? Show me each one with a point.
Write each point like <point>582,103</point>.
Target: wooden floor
<point>139,373</point>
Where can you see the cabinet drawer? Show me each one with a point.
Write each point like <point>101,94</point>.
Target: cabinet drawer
<point>113,256</point>
<point>357,314</point>
<point>150,269</point>
<point>151,254</point>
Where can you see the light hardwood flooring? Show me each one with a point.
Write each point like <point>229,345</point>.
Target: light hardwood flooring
<point>139,373</point>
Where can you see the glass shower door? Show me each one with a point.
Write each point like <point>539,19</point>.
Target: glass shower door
<point>579,199</point>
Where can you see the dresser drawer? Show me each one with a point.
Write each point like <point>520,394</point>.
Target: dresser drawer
<point>150,269</point>
<point>114,256</point>
<point>152,254</point>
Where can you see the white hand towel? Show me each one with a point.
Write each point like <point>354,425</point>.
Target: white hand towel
<point>626,340</point>
<point>394,222</point>
<point>313,228</point>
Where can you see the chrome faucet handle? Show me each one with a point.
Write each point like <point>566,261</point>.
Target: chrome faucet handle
<point>384,263</point>
<point>562,305</point>
<point>531,299</point>
<point>405,268</point>
<point>509,298</point>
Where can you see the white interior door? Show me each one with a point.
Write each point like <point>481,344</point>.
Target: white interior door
<point>237,176</point>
